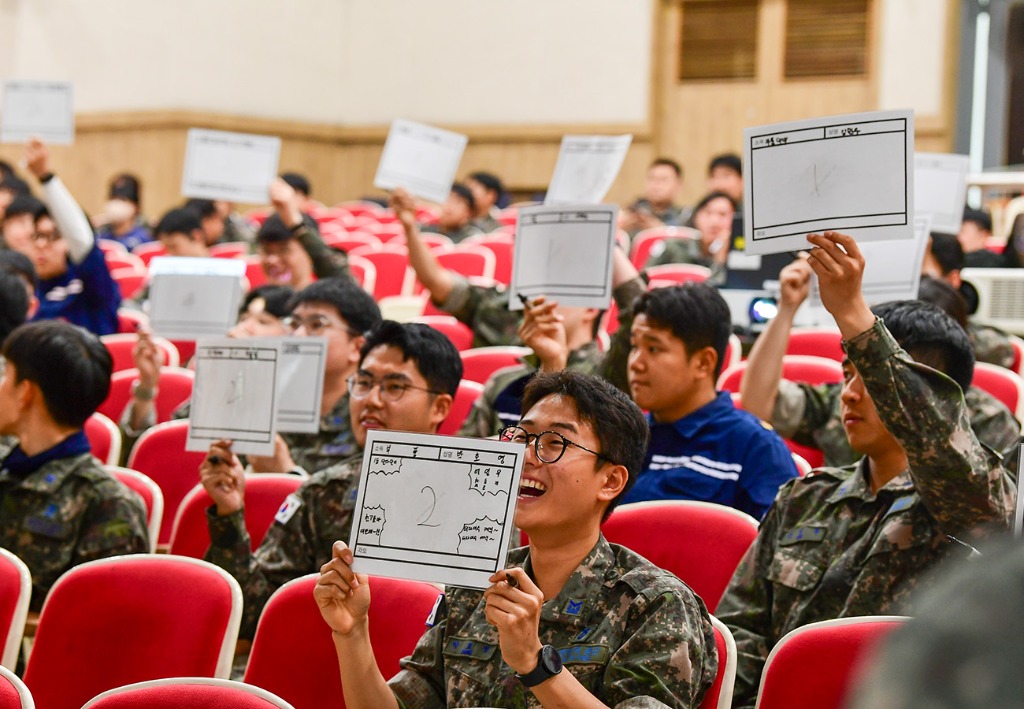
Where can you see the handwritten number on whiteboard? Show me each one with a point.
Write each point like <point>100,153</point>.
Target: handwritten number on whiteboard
<point>424,520</point>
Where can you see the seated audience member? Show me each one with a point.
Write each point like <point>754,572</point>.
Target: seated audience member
<point>180,231</point>
<point>457,214</point>
<point>74,281</point>
<point>858,540</point>
<point>725,174</point>
<point>14,302</point>
<point>236,228</point>
<point>975,231</point>
<point>20,265</point>
<point>657,207</point>
<point>943,259</point>
<point>1013,254</point>
<point>811,414</point>
<point>702,446</point>
<point>485,309</point>
<point>122,220</point>
<point>561,338</point>
<point>647,638</point>
<point>712,217</point>
<point>289,244</point>
<point>405,381</point>
<point>11,186</point>
<point>60,507</point>
<point>19,223</point>
<point>487,190</point>
<point>210,220</point>
<point>303,190</point>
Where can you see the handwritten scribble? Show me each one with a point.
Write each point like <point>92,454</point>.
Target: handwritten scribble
<point>383,465</point>
<point>371,524</point>
<point>425,518</point>
<point>479,537</point>
<point>487,480</point>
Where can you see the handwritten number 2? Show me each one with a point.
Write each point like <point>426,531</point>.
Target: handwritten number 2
<point>429,512</point>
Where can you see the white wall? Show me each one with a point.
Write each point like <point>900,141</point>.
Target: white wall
<point>342,61</point>
<point>913,46</point>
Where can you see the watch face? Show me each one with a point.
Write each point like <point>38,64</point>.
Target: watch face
<point>550,659</point>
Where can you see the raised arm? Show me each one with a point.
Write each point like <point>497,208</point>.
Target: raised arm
<point>760,384</point>
<point>68,215</point>
<point>434,277</point>
<point>326,261</point>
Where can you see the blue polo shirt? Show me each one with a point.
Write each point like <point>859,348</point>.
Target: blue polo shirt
<point>84,295</point>
<point>716,454</point>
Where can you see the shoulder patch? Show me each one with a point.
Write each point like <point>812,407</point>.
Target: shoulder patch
<point>288,509</point>
<point>432,618</point>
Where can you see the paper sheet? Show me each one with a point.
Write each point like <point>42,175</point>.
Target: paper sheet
<point>194,297</point>
<point>44,109</point>
<point>587,166</point>
<point>237,167</point>
<point>852,173</point>
<point>300,383</point>
<point>420,158</point>
<point>234,395</point>
<point>435,508</point>
<point>565,254</point>
<point>940,189</point>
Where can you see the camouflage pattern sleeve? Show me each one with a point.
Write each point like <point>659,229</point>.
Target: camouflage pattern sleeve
<point>961,483</point>
<point>788,411</point>
<point>327,262</point>
<point>483,420</point>
<point>615,363</point>
<point>114,524</point>
<point>991,345</point>
<point>484,310</point>
<point>819,402</point>
<point>676,251</point>
<point>991,421</point>
<point>420,683</point>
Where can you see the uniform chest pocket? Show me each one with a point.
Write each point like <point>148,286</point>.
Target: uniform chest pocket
<point>49,524</point>
<point>800,558</point>
<point>476,675</point>
<point>903,529</point>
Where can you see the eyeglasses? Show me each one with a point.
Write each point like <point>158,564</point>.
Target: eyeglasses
<point>314,324</point>
<point>47,237</point>
<point>548,445</point>
<point>359,387</point>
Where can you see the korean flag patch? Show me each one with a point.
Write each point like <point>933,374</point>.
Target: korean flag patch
<point>287,509</point>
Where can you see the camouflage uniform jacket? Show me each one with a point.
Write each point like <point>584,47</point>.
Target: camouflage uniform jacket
<point>632,634</point>
<point>810,415</point>
<point>298,542</point>
<point>500,404</point>
<point>487,223</point>
<point>484,310</point>
<point>830,547</point>
<point>461,234</point>
<point>991,345</point>
<point>332,444</point>
<point>67,512</point>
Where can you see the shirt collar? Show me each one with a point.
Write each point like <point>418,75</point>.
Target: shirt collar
<point>690,424</point>
<point>572,604</point>
<point>19,465</point>
<point>858,484</point>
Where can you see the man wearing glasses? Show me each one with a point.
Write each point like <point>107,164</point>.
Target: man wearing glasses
<point>405,380</point>
<point>74,282</point>
<point>573,621</point>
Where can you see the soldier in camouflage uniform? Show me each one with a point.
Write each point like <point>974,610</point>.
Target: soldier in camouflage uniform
<point>858,540</point>
<point>626,632</point>
<point>58,506</point>
<point>405,381</point>
<point>457,214</point>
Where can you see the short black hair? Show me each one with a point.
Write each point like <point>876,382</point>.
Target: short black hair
<point>203,208</point>
<point>931,337</point>
<point>696,313</point>
<point>616,420</point>
<point>70,366</point>
<point>948,298</point>
<point>711,197</point>
<point>490,182</point>
<point>299,183</point>
<point>730,161</point>
<point>20,265</point>
<point>668,162</point>
<point>13,302</point>
<point>25,204</point>
<point>947,251</point>
<point>14,184</point>
<point>273,231</point>
<point>353,304</point>
<point>464,192</point>
<point>980,217</point>
<point>178,221</point>
<point>276,299</point>
<point>127,187</point>
<point>434,354</point>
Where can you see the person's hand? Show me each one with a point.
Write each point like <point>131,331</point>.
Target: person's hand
<point>286,202</point>
<point>628,219</point>
<point>795,283</point>
<point>839,265</point>
<point>280,462</point>
<point>342,595</point>
<point>543,331</point>
<point>404,207</point>
<point>37,157</point>
<point>646,220</point>
<point>223,479</point>
<point>148,359</point>
<point>514,609</point>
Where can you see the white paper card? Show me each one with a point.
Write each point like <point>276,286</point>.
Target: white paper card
<point>420,158</point>
<point>194,297</point>
<point>587,166</point>
<point>43,109</point>
<point>940,189</point>
<point>435,508</point>
<point>300,383</point>
<point>852,173</point>
<point>235,395</point>
<point>237,167</point>
<point>565,254</point>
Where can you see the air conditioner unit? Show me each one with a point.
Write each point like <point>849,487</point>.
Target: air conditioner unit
<point>1000,297</point>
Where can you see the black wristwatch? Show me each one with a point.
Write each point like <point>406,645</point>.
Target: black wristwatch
<point>549,664</point>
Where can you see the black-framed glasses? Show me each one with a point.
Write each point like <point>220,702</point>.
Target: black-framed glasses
<point>548,445</point>
<point>360,386</point>
<point>47,237</point>
<point>314,324</point>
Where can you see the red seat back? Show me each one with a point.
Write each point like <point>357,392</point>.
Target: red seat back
<point>1002,384</point>
<point>459,333</point>
<point>479,363</point>
<point>466,395</point>
<point>719,694</point>
<point>152,497</point>
<point>820,342</point>
<point>13,692</point>
<point>391,264</point>
<point>15,590</point>
<point>104,438</point>
<point>796,368</point>
<point>179,692</point>
<point>175,388</point>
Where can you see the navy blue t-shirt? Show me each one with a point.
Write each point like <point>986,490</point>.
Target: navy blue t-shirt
<point>84,295</point>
